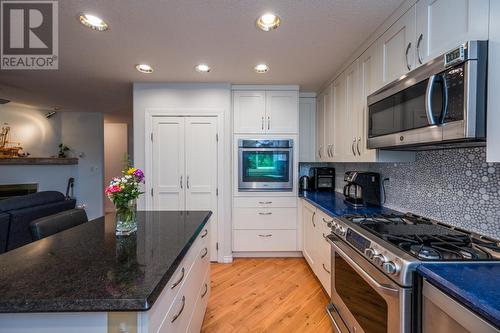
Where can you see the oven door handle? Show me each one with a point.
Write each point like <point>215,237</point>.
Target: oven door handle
<point>383,289</point>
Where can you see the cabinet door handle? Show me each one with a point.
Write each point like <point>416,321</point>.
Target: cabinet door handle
<point>205,234</point>
<point>418,48</point>
<point>187,182</point>
<point>265,202</point>
<point>319,152</point>
<point>205,253</point>
<point>180,182</point>
<point>205,292</point>
<point>262,126</point>
<point>312,219</point>
<point>176,283</point>
<point>267,235</point>
<point>352,147</point>
<point>406,56</point>
<point>266,213</point>
<point>268,123</point>
<point>174,318</point>
<point>324,267</point>
<point>331,150</point>
<point>357,147</point>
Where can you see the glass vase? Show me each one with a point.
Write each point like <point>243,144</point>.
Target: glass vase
<point>126,219</point>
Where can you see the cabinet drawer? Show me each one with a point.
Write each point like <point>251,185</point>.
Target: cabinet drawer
<point>267,202</point>
<point>265,240</point>
<point>265,218</point>
<point>323,272</point>
<point>201,305</point>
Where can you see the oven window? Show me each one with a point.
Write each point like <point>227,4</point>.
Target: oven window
<point>364,303</point>
<point>404,110</point>
<point>266,166</point>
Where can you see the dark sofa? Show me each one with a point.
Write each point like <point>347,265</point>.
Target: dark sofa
<point>21,211</point>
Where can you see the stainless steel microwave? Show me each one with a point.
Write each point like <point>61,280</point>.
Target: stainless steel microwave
<point>265,165</point>
<point>438,105</point>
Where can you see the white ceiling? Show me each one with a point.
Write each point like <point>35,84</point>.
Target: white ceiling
<point>96,69</point>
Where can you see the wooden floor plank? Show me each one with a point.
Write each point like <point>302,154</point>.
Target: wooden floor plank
<point>266,295</point>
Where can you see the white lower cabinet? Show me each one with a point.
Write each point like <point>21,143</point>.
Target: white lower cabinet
<point>182,303</point>
<point>316,249</point>
<point>265,224</point>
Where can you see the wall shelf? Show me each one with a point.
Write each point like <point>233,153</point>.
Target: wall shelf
<point>38,161</point>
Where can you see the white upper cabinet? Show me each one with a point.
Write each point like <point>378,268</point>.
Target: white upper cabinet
<point>272,112</point>
<point>444,24</point>
<point>249,111</point>
<point>353,117</point>
<point>339,118</point>
<point>329,121</point>
<point>320,127</point>
<point>397,47</point>
<point>307,134</point>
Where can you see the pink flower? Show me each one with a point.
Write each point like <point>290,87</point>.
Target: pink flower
<point>112,189</point>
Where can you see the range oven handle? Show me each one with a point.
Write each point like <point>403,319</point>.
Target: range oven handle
<point>383,289</point>
<point>428,99</point>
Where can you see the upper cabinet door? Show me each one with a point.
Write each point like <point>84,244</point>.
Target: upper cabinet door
<point>444,24</point>
<point>352,115</point>
<point>329,122</point>
<point>339,118</point>
<point>320,127</point>
<point>307,112</point>
<point>397,47</point>
<point>370,81</point>
<point>249,112</point>
<point>282,112</point>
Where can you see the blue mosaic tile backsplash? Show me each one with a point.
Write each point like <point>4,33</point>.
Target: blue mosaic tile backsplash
<point>454,186</point>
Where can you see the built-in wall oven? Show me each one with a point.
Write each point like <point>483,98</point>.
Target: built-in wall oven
<point>438,105</point>
<point>364,299</point>
<point>265,165</point>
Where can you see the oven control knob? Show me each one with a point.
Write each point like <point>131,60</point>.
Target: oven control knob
<point>370,253</point>
<point>379,260</point>
<point>390,268</point>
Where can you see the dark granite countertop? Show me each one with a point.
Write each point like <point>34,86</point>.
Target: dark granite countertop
<point>87,268</point>
<point>333,204</point>
<point>476,285</point>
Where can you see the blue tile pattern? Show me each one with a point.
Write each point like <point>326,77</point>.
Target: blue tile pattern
<point>475,285</point>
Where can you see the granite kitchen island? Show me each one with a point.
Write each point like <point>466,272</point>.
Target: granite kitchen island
<point>85,279</point>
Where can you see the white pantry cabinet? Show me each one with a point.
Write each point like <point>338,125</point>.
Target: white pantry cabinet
<point>444,24</point>
<point>307,125</point>
<point>397,47</point>
<point>266,112</point>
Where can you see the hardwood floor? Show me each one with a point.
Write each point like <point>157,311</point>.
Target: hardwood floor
<point>266,295</point>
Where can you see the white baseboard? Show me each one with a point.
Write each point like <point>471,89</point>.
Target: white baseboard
<point>286,254</point>
<point>227,259</point>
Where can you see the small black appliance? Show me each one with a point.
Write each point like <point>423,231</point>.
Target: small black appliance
<point>322,178</point>
<point>362,188</point>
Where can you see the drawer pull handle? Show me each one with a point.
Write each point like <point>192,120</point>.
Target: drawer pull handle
<point>204,254</point>
<point>265,202</point>
<point>324,236</point>
<point>268,235</point>
<point>205,292</point>
<point>324,267</point>
<point>268,213</point>
<point>205,234</point>
<point>312,219</point>
<point>177,315</point>
<point>175,284</point>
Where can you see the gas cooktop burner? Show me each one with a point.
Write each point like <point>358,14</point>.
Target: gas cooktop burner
<point>429,240</point>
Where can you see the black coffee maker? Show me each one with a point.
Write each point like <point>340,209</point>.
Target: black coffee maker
<point>362,188</point>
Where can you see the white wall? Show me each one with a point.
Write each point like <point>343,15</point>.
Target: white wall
<point>115,150</point>
<point>188,98</point>
<point>38,135</point>
<point>83,132</point>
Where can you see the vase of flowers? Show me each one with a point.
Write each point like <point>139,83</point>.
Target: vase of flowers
<point>123,192</point>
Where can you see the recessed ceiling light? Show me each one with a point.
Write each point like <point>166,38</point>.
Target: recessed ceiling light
<point>202,68</point>
<point>144,68</point>
<point>261,68</point>
<point>93,22</point>
<point>268,22</point>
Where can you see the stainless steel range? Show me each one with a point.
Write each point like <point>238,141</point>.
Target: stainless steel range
<point>374,259</point>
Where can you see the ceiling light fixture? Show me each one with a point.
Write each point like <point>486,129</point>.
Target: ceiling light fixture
<point>144,68</point>
<point>93,22</point>
<point>202,68</point>
<point>261,68</point>
<point>268,22</point>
